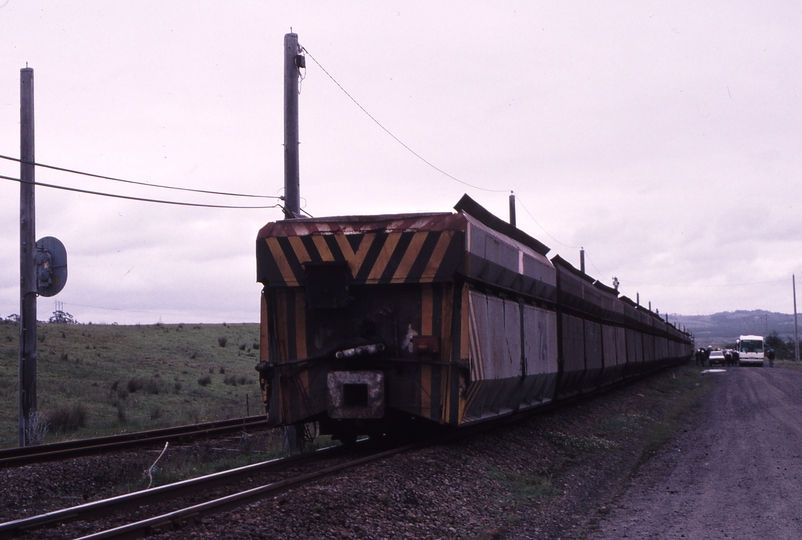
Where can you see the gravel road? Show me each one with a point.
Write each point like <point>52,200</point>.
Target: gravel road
<point>733,471</point>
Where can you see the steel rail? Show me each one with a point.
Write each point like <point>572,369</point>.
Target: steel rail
<point>11,529</point>
<point>82,447</point>
<point>184,516</point>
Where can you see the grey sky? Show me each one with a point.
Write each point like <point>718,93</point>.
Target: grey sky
<point>663,137</point>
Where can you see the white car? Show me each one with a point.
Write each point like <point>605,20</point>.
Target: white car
<point>716,357</point>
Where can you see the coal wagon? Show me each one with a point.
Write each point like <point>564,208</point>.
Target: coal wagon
<point>377,324</point>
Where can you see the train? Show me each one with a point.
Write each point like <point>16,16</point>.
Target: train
<point>379,324</point>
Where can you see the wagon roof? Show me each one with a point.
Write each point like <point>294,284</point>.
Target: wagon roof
<point>440,221</point>
<point>433,221</point>
<point>562,263</point>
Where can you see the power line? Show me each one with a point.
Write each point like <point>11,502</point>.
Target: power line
<point>72,171</point>
<point>399,141</point>
<point>518,199</point>
<point>142,199</point>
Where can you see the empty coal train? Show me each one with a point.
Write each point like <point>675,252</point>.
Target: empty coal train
<point>370,324</point>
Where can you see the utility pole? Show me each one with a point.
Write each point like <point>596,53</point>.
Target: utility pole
<point>582,259</point>
<point>796,331</point>
<point>28,285</point>
<point>512,209</point>
<point>293,62</point>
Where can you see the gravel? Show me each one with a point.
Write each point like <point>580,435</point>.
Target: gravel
<point>550,476</point>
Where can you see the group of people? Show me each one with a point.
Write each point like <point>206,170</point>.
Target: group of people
<point>701,355</point>
<point>731,356</point>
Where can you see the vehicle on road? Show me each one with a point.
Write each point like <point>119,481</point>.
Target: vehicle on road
<point>716,357</point>
<point>750,350</point>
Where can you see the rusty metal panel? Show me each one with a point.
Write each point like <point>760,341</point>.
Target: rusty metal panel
<point>593,344</point>
<point>426,344</point>
<point>495,337</point>
<point>609,346</point>
<point>540,340</point>
<point>621,345</point>
<point>355,394</point>
<point>496,258</point>
<point>648,348</point>
<point>573,343</point>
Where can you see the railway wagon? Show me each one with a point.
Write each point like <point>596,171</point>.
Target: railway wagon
<point>371,323</point>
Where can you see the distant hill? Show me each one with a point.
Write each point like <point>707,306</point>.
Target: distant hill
<point>724,328</point>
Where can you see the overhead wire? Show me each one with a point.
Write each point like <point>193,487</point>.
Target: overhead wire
<point>144,199</point>
<point>518,199</point>
<point>103,177</point>
<point>399,141</point>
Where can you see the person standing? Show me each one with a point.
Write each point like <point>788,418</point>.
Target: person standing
<point>770,354</point>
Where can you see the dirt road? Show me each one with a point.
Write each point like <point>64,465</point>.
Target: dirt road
<point>734,471</point>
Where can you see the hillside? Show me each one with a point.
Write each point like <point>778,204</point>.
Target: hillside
<point>724,328</point>
<point>104,379</point>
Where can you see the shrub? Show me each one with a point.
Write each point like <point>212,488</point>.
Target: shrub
<point>135,383</point>
<point>255,346</point>
<point>222,370</point>
<point>242,346</point>
<point>67,417</point>
<point>222,340</point>
<point>36,428</point>
<point>206,380</point>
<point>153,386</point>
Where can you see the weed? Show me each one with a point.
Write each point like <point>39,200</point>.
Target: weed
<point>578,445</point>
<point>135,383</point>
<point>619,425</point>
<point>520,488</point>
<point>67,417</point>
<point>36,428</point>
<point>153,386</point>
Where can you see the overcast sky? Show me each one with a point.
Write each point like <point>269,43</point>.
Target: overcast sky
<point>663,137</point>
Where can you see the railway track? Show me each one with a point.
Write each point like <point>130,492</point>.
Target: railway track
<point>85,447</point>
<point>179,504</point>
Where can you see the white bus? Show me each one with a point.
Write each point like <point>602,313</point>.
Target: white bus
<point>750,350</point>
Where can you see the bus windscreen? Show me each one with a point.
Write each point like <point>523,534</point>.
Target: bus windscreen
<point>749,345</point>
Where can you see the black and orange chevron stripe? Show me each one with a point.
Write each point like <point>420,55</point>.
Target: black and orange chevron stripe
<point>372,257</point>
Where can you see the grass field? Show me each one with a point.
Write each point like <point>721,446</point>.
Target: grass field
<point>104,379</point>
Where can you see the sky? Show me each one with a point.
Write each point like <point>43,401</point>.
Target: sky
<point>662,137</point>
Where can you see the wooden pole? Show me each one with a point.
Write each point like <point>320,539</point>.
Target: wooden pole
<point>796,331</point>
<point>292,188</point>
<point>27,320</point>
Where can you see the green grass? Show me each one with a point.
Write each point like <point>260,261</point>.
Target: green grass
<point>103,379</point>
<point>518,489</point>
<point>686,387</point>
